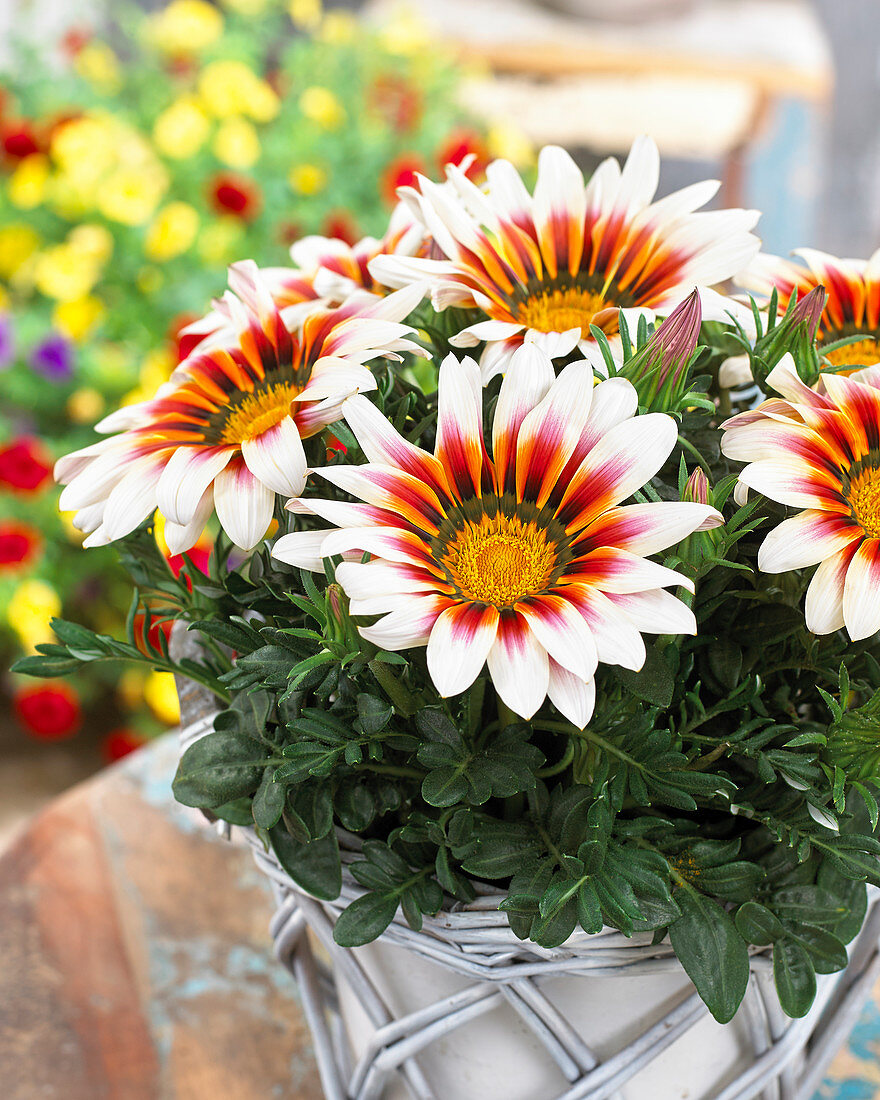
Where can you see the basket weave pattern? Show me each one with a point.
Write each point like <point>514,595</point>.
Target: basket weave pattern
<point>475,941</point>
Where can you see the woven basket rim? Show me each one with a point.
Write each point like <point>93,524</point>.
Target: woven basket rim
<point>478,927</point>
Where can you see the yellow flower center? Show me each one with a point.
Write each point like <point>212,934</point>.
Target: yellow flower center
<point>561,310</point>
<point>859,354</point>
<point>259,412</point>
<point>500,560</point>
<point>864,499</point>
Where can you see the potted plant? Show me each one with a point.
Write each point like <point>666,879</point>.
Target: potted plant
<point>544,684</point>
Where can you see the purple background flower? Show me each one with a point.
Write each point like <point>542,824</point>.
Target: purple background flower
<point>7,341</point>
<point>53,357</point>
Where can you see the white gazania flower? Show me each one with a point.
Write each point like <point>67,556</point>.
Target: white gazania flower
<point>546,266</point>
<point>525,559</point>
<point>331,269</point>
<point>327,272</point>
<point>225,432</point>
<point>852,304</point>
<point>819,451</point>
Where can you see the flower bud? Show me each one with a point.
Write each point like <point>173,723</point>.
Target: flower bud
<point>337,613</point>
<point>658,370</point>
<point>697,487</point>
<point>795,332</point>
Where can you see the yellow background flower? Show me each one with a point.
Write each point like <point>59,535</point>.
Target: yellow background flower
<point>92,241</point>
<point>85,406</point>
<point>236,143</point>
<point>98,64</point>
<point>229,88</point>
<point>181,129</point>
<point>130,195</point>
<point>161,696</point>
<point>185,27</point>
<point>76,318</point>
<point>18,242</point>
<point>63,273</point>
<point>219,241</point>
<point>172,231</point>
<point>320,105</point>
<point>27,184</point>
<point>31,608</point>
<point>306,14</point>
<point>338,28</point>
<point>307,179</point>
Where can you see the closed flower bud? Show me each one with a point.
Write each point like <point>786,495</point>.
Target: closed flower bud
<point>697,488</point>
<point>795,332</point>
<point>659,369</point>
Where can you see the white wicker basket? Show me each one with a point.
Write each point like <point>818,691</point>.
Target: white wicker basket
<point>367,1048</point>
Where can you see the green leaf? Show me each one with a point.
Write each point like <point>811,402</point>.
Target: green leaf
<point>794,976</point>
<point>373,714</point>
<point>365,919</point>
<point>725,662</point>
<point>237,812</point>
<point>503,847</point>
<point>757,924</point>
<point>268,801</point>
<point>712,952</point>
<point>444,786</point>
<point>526,888</point>
<point>808,904</point>
<point>827,952</point>
<point>589,910</point>
<point>553,928</point>
<point>218,768</point>
<point>654,682</point>
<point>315,865</point>
<point>735,881</point>
<point>855,856</point>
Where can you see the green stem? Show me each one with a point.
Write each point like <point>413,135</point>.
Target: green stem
<point>392,769</point>
<point>560,765</point>
<point>688,446</point>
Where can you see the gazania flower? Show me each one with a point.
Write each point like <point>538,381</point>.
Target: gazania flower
<point>226,431</point>
<point>523,559</point>
<point>551,264</point>
<point>818,452</point>
<point>236,195</point>
<point>852,306</point>
<point>330,268</point>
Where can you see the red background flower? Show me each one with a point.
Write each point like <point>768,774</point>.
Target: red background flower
<point>401,172</point>
<point>237,195</point>
<point>24,465</point>
<point>49,713</point>
<point>462,143</point>
<point>19,545</point>
<point>120,742</point>
<point>341,225</point>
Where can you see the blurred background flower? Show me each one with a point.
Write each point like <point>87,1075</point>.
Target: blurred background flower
<point>139,155</point>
